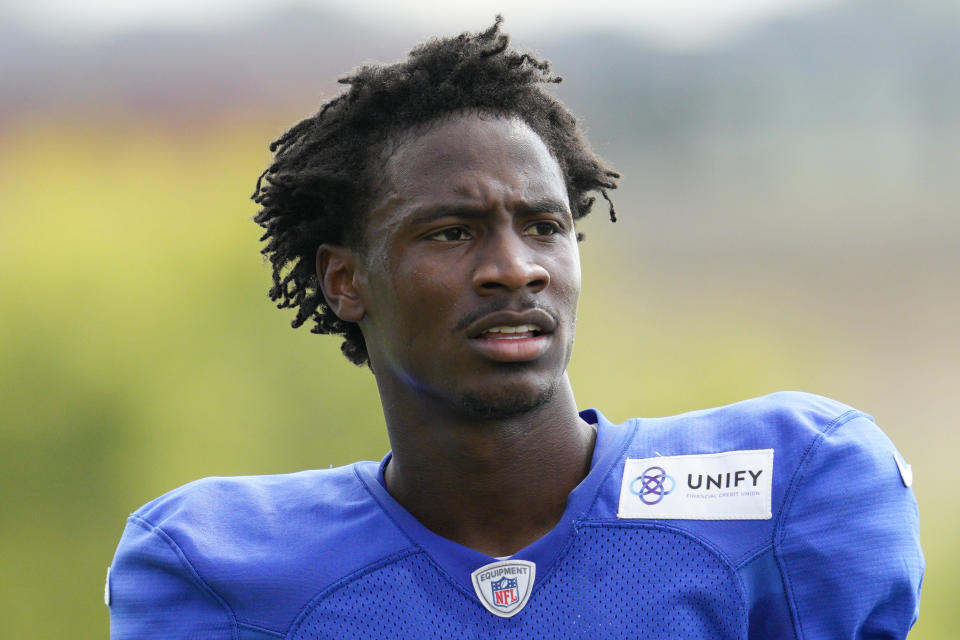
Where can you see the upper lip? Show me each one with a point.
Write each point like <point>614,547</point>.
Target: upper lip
<point>538,317</point>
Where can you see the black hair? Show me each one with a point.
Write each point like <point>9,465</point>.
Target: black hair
<point>325,170</point>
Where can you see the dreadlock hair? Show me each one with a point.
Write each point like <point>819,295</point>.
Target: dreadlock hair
<point>326,168</point>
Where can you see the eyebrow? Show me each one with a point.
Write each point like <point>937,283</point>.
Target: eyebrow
<point>430,214</point>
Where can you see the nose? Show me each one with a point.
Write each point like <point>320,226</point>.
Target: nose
<point>507,263</point>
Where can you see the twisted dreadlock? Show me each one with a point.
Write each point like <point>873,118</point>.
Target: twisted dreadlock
<point>323,176</point>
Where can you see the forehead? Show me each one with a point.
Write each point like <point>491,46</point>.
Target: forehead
<point>474,157</point>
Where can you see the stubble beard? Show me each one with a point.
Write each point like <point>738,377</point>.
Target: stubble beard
<point>505,405</point>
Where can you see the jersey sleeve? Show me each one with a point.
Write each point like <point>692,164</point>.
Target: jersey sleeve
<point>154,592</point>
<point>849,543</point>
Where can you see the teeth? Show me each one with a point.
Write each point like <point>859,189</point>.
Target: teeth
<point>523,328</point>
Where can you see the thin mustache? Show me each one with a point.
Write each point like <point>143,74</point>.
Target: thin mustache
<point>524,304</point>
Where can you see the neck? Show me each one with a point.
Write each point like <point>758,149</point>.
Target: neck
<point>464,477</point>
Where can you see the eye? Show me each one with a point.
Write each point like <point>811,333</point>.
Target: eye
<point>450,234</point>
<point>542,228</point>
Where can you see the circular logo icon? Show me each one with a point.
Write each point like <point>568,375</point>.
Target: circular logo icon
<point>652,485</point>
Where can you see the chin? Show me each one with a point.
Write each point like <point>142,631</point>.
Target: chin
<point>505,403</point>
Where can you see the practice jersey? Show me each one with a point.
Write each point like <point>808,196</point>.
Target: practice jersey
<point>787,516</point>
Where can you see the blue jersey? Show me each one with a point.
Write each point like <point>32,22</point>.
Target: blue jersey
<point>788,516</point>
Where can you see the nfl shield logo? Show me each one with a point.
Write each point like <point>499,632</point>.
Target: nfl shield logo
<point>505,592</point>
<point>504,587</point>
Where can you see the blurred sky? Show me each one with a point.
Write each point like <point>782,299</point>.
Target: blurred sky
<point>681,23</point>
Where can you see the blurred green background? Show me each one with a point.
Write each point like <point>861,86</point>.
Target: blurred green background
<point>788,220</point>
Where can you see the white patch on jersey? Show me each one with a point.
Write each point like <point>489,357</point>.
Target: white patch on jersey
<point>733,485</point>
<point>106,589</point>
<point>504,587</point>
<point>906,471</point>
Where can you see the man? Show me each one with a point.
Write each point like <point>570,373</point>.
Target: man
<point>428,216</point>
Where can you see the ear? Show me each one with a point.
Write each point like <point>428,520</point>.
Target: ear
<point>339,281</point>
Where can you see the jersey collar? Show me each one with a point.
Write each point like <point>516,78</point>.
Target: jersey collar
<point>458,561</point>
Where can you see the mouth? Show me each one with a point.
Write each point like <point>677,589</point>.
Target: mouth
<point>508,332</point>
<point>509,336</point>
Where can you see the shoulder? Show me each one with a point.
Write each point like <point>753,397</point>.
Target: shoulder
<point>847,538</point>
<point>217,522</point>
<point>766,442</point>
<point>824,453</point>
<point>219,505</point>
<point>255,548</point>
<point>787,421</point>
<point>842,527</point>
<point>788,410</point>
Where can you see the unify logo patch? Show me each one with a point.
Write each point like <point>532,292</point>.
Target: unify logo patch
<point>733,485</point>
<point>504,587</point>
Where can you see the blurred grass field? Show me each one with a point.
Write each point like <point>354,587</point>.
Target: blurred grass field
<point>139,352</point>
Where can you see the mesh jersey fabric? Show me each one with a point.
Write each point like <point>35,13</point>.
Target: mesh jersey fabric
<point>330,554</point>
<point>671,588</point>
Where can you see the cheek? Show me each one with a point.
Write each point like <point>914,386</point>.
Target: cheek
<point>567,278</point>
<point>422,301</point>
<point>421,287</point>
